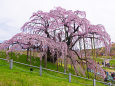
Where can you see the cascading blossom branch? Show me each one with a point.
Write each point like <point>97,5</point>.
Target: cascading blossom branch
<point>23,41</point>
<point>103,36</point>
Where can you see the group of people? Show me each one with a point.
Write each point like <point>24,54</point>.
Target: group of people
<point>109,77</point>
<point>106,64</point>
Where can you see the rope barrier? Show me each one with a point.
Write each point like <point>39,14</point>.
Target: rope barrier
<point>101,82</point>
<point>84,84</point>
<point>4,59</point>
<point>3,65</point>
<point>26,64</point>
<point>54,76</point>
<point>82,77</point>
<point>54,71</point>
<point>22,69</point>
<point>38,71</point>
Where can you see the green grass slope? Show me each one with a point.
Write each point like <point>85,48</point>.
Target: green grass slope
<point>16,77</point>
<point>20,75</point>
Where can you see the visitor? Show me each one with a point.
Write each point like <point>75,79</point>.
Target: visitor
<point>105,79</point>
<point>98,62</point>
<point>102,63</point>
<point>109,64</point>
<point>112,74</point>
<point>107,73</point>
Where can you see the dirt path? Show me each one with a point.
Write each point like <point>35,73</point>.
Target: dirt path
<point>110,70</point>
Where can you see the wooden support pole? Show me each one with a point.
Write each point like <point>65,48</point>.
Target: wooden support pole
<point>85,56</point>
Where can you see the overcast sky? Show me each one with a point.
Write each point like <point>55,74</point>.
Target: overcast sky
<point>14,13</point>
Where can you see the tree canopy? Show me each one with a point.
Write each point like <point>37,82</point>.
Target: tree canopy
<point>65,33</point>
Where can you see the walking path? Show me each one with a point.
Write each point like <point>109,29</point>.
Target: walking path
<point>110,70</point>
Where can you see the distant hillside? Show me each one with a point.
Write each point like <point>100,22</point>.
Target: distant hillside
<point>112,50</point>
<point>101,51</point>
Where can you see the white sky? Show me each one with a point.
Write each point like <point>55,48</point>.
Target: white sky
<point>14,13</point>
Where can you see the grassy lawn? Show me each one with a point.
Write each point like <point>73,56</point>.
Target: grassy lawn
<point>21,76</point>
<point>16,77</point>
<point>100,60</point>
<point>109,69</point>
<point>112,62</point>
